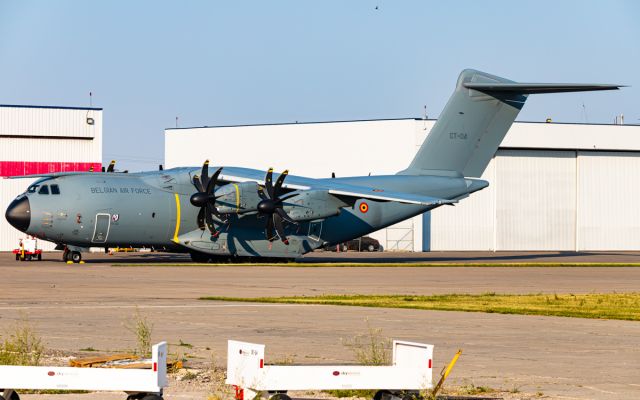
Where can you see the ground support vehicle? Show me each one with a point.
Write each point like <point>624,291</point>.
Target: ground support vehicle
<point>25,255</point>
<point>139,384</point>
<point>28,250</point>
<point>410,373</point>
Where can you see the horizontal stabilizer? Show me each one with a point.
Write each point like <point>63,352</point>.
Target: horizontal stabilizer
<point>538,88</point>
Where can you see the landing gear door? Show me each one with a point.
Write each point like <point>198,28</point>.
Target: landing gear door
<point>315,230</point>
<point>101,231</point>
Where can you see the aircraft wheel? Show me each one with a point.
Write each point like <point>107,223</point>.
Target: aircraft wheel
<point>65,255</point>
<point>382,395</point>
<point>152,396</point>
<point>12,395</point>
<point>280,396</point>
<point>75,256</point>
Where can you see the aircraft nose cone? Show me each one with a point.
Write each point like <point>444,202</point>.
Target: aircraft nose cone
<point>19,214</point>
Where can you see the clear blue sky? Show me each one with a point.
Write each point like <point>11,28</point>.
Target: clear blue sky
<point>242,62</point>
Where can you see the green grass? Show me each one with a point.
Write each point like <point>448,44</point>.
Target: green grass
<point>386,264</point>
<point>622,306</point>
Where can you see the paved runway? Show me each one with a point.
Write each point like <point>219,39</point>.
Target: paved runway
<point>77,306</point>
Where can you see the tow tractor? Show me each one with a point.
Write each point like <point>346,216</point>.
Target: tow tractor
<point>139,384</point>
<point>410,373</point>
<point>28,250</point>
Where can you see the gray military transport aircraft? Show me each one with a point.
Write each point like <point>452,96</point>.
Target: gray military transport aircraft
<point>239,212</point>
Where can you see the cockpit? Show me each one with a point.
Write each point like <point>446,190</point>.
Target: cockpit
<point>44,189</point>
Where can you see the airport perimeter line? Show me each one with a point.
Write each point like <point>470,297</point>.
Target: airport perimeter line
<point>385,265</point>
<point>620,306</point>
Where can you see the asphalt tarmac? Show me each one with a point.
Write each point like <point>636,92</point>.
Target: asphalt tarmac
<point>79,306</point>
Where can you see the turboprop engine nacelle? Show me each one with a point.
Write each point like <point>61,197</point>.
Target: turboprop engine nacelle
<point>313,204</point>
<point>238,198</point>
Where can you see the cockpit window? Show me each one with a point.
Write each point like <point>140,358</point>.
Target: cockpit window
<point>55,189</point>
<point>44,189</point>
<point>33,188</point>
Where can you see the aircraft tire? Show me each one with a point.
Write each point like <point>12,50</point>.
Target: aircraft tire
<point>280,396</point>
<point>152,396</point>
<point>75,256</point>
<point>382,395</point>
<point>65,255</point>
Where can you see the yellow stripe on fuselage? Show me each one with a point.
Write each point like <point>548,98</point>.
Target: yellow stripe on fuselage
<point>175,234</point>
<point>237,197</point>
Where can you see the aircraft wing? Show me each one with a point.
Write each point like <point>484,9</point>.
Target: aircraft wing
<point>400,197</point>
<point>334,187</point>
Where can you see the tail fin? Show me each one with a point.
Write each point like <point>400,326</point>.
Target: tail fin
<point>475,120</point>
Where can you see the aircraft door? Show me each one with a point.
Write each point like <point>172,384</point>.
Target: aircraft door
<point>315,230</point>
<point>101,231</point>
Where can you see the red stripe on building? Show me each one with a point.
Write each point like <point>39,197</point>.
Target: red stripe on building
<point>19,168</point>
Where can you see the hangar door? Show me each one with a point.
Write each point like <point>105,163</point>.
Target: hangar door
<point>535,200</point>
<point>609,201</point>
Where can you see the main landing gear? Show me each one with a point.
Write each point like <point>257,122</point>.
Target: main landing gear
<point>71,256</point>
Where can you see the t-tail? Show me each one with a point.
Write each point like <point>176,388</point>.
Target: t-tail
<point>475,120</point>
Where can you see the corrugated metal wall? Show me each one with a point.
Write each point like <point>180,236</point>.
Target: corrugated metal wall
<point>535,200</point>
<point>42,121</point>
<point>470,224</point>
<point>43,138</point>
<point>609,199</point>
<point>547,200</point>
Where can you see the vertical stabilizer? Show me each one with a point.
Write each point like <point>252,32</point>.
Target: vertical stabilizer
<point>475,120</point>
<point>469,130</point>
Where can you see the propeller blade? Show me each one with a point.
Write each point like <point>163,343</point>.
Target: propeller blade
<point>197,183</point>
<point>205,174</point>
<point>261,193</point>
<point>284,216</point>
<point>212,182</point>
<point>201,224</point>
<point>268,183</point>
<point>112,166</point>
<point>269,230</point>
<point>277,220</point>
<point>279,182</point>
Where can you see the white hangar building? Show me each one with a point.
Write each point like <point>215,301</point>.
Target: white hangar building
<point>553,186</point>
<point>39,139</point>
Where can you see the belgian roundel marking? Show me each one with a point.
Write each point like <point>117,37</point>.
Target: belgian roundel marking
<point>364,207</point>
